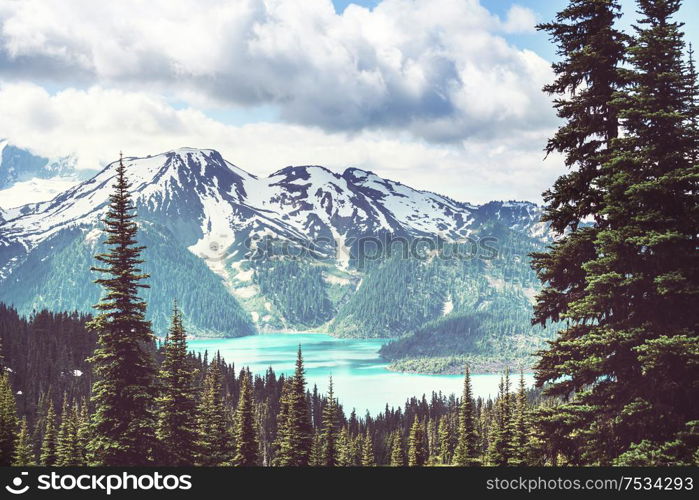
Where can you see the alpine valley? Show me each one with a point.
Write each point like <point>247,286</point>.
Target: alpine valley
<point>304,249</point>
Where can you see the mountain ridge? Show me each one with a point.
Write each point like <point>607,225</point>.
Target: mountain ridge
<point>193,203</point>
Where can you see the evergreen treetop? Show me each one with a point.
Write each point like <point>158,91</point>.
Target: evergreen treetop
<point>176,402</point>
<point>330,429</point>
<point>245,436</point>
<point>8,420</point>
<point>466,452</point>
<point>24,452</point>
<point>123,423</point>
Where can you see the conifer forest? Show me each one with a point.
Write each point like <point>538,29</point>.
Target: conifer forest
<point>603,310</point>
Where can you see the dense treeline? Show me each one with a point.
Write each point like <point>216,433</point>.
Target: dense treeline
<point>209,414</point>
<point>488,334</point>
<point>46,356</point>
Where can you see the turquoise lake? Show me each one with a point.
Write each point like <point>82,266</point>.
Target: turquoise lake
<point>361,378</point>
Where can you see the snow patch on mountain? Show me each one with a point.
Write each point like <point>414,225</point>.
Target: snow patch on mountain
<point>19,165</point>
<point>336,280</point>
<point>240,274</point>
<point>342,251</point>
<point>34,190</point>
<point>448,306</point>
<point>217,236</point>
<point>93,236</point>
<point>246,292</point>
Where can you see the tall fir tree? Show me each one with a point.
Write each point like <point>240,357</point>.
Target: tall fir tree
<point>8,420</point>
<point>466,452</point>
<point>245,434</point>
<point>345,457</point>
<point>316,459</point>
<point>397,455</point>
<point>282,420</point>
<point>446,448</point>
<point>295,434</point>
<point>213,444</point>
<point>588,74</point>
<point>521,429</point>
<point>177,426</point>
<point>643,287</point>
<point>67,445</point>
<point>432,440</point>
<point>500,450</point>
<point>417,454</point>
<point>368,456</point>
<point>356,448</point>
<point>330,429</point>
<point>24,450</point>
<point>49,443</point>
<point>631,343</point>
<point>83,434</point>
<point>123,425</point>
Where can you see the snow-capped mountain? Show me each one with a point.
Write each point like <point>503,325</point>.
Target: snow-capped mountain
<point>196,203</point>
<point>28,178</point>
<point>17,165</point>
<point>209,203</point>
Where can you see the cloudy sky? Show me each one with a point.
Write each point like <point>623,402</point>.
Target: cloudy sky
<point>439,94</point>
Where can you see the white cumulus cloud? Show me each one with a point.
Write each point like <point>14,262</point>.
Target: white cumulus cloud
<point>520,20</point>
<point>439,69</point>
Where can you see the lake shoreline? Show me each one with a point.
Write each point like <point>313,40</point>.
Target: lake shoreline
<point>440,366</point>
<point>474,371</point>
<point>453,365</point>
<point>361,378</point>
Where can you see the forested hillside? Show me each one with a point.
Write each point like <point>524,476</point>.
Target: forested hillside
<point>488,336</point>
<point>297,290</point>
<point>455,305</point>
<point>46,357</point>
<point>57,277</point>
